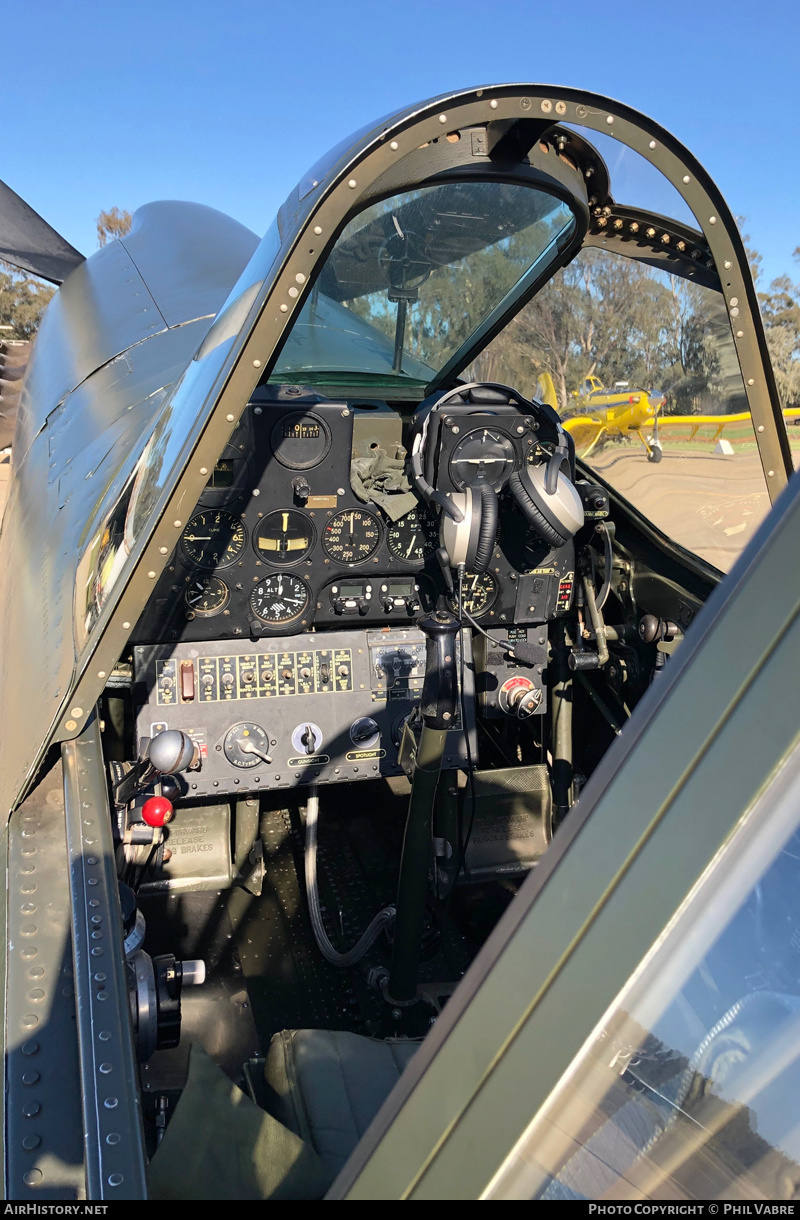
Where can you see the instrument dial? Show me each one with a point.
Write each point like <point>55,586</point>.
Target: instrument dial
<point>485,455</point>
<point>206,595</point>
<point>300,440</point>
<point>214,539</point>
<point>284,536</point>
<point>280,598</point>
<point>414,537</point>
<point>479,593</point>
<point>246,745</point>
<point>351,537</point>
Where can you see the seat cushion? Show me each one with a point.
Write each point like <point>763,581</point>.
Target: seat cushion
<point>220,1145</point>
<point>327,1086</point>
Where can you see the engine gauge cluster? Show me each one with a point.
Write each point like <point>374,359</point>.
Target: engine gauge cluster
<point>280,542</point>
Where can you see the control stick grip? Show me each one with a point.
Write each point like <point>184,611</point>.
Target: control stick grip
<point>440,688</point>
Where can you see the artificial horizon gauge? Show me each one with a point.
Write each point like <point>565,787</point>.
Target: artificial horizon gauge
<point>284,536</point>
<point>280,598</point>
<point>300,440</point>
<point>484,455</point>
<point>206,596</point>
<point>351,536</point>
<point>414,537</point>
<point>246,745</point>
<point>214,539</point>
<point>479,593</point>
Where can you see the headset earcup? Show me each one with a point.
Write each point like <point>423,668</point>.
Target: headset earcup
<point>487,532</point>
<point>534,516</point>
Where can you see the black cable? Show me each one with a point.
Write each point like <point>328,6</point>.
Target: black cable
<point>145,866</point>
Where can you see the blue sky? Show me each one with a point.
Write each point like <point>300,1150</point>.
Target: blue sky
<point>105,104</point>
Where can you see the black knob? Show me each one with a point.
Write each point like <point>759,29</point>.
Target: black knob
<point>649,628</point>
<point>301,489</point>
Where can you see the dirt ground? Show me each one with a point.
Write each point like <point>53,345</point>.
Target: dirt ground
<point>711,504</point>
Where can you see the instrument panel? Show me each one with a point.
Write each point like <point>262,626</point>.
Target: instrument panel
<point>327,708</point>
<point>280,542</point>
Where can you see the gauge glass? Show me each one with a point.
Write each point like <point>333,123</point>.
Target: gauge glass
<point>300,440</point>
<point>284,536</point>
<point>414,537</point>
<point>214,539</point>
<point>351,537</point>
<point>485,455</point>
<point>246,745</point>
<point>479,592</point>
<point>206,595</point>
<point>280,598</point>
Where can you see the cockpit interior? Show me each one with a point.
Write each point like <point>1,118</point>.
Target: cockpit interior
<point>421,592</point>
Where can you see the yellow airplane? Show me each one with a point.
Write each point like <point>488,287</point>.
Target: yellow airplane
<point>613,414</point>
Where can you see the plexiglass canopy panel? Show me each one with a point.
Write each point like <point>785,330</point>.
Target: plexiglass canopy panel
<point>412,278</point>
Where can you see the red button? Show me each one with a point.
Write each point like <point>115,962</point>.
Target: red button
<point>157,811</point>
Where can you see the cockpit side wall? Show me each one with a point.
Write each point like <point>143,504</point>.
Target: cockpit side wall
<point>118,333</point>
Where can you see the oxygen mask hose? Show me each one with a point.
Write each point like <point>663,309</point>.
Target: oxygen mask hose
<point>367,938</point>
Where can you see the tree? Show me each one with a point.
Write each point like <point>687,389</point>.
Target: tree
<point>780,308</point>
<point>23,300</point>
<point>112,224</point>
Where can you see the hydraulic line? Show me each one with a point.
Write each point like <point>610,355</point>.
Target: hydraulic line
<point>368,937</point>
<point>596,617</point>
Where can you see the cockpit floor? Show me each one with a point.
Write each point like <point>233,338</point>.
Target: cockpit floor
<point>265,970</point>
<point>291,984</point>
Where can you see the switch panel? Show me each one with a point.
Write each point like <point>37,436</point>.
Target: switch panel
<point>319,708</point>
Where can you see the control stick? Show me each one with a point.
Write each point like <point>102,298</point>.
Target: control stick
<point>438,710</point>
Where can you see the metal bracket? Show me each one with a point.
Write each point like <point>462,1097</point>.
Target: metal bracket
<point>112,1120</point>
<point>44,1154</point>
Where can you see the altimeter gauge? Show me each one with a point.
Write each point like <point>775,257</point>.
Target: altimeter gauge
<point>284,536</point>
<point>414,537</point>
<point>280,598</point>
<point>214,539</point>
<point>351,536</point>
<point>206,596</point>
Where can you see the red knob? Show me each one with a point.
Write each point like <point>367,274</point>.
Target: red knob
<point>157,811</point>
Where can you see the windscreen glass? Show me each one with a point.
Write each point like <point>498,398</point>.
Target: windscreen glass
<point>412,278</point>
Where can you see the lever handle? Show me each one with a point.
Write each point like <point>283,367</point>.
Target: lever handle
<point>440,688</point>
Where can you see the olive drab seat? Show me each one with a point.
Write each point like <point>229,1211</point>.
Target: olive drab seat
<point>320,1091</point>
<point>327,1086</point>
